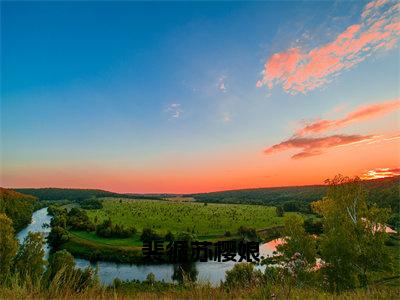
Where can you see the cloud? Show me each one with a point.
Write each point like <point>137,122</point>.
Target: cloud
<point>298,70</point>
<point>222,86</point>
<point>360,114</point>
<point>311,146</point>
<point>175,110</point>
<point>380,173</point>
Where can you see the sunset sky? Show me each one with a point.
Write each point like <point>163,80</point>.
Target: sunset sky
<point>188,97</point>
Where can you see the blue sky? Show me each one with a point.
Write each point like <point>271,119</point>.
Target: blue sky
<point>157,88</point>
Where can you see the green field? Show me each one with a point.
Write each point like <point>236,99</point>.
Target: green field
<point>201,219</point>
<point>91,236</point>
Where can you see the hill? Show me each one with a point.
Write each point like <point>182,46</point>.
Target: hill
<point>56,194</point>
<point>18,207</point>
<point>384,192</point>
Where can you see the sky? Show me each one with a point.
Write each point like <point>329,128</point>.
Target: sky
<point>186,97</point>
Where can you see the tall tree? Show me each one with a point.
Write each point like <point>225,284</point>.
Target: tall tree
<point>29,262</point>
<point>297,240</point>
<point>8,246</point>
<point>353,240</point>
<point>61,261</point>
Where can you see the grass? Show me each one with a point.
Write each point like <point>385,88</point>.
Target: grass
<point>191,291</point>
<point>208,222</point>
<point>201,219</point>
<point>91,236</point>
<point>94,251</point>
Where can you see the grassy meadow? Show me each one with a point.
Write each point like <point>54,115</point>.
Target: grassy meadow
<point>199,218</point>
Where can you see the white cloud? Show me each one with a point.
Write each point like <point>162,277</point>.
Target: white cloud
<point>174,110</point>
<point>221,84</point>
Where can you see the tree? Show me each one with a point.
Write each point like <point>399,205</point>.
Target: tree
<point>62,273</point>
<point>29,262</point>
<point>185,272</point>
<point>297,240</point>
<point>353,240</point>
<point>18,207</point>
<point>57,237</point>
<point>148,234</point>
<point>313,226</point>
<point>247,233</point>
<point>279,211</point>
<point>8,246</point>
<point>243,274</point>
<point>60,261</point>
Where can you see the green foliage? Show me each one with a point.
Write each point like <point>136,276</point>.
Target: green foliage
<point>164,216</point>
<point>243,275</point>
<point>91,203</point>
<point>384,193</point>
<point>394,221</point>
<point>148,235</point>
<point>353,242</point>
<point>266,196</point>
<point>108,230</point>
<point>8,246</point>
<point>95,251</point>
<point>185,273</point>
<point>57,236</point>
<point>313,226</point>
<point>57,194</point>
<point>297,240</point>
<point>279,211</point>
<point>29,261</point>
<point>247,233</point>
<point>18,207</point>
<point>78,219</point>
<point>62,274</point>
<point>60,261</point>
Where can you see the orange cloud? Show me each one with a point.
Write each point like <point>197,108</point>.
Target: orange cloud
<point>360,114</point>
<point>301,71</point>
<point>317,145</point>
<point>380,173</point>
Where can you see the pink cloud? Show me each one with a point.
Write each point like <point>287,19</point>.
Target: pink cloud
<point>360,114</point>
<point>301,71</point>
<point>380,173</point>
<point>311,146</point>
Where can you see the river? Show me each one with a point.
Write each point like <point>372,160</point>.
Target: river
<point>213,272</point>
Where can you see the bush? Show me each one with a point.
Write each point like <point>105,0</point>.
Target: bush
<point>92,203</point>
<point>79,220</point>
<point>313,226</point>
<point>247,233</point>
<point>148,235</point>
<point>57,237</point>
<point>108,230</point>
<point>243,275</point>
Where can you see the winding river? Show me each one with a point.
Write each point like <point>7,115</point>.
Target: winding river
<point>213,272</point>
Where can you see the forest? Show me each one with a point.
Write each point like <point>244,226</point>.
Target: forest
<point>77,195</point>
<point>17,206</point>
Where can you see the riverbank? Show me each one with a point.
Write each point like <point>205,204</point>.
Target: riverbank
<point>93,252</point>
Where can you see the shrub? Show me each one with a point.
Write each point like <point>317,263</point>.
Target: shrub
<point>243,275</point>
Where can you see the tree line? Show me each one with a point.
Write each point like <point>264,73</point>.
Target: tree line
<point>18,207</point>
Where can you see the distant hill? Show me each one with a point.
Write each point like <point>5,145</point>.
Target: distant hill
<point>385,192</point>
<point>55,194</point>
<point>18,207</point>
